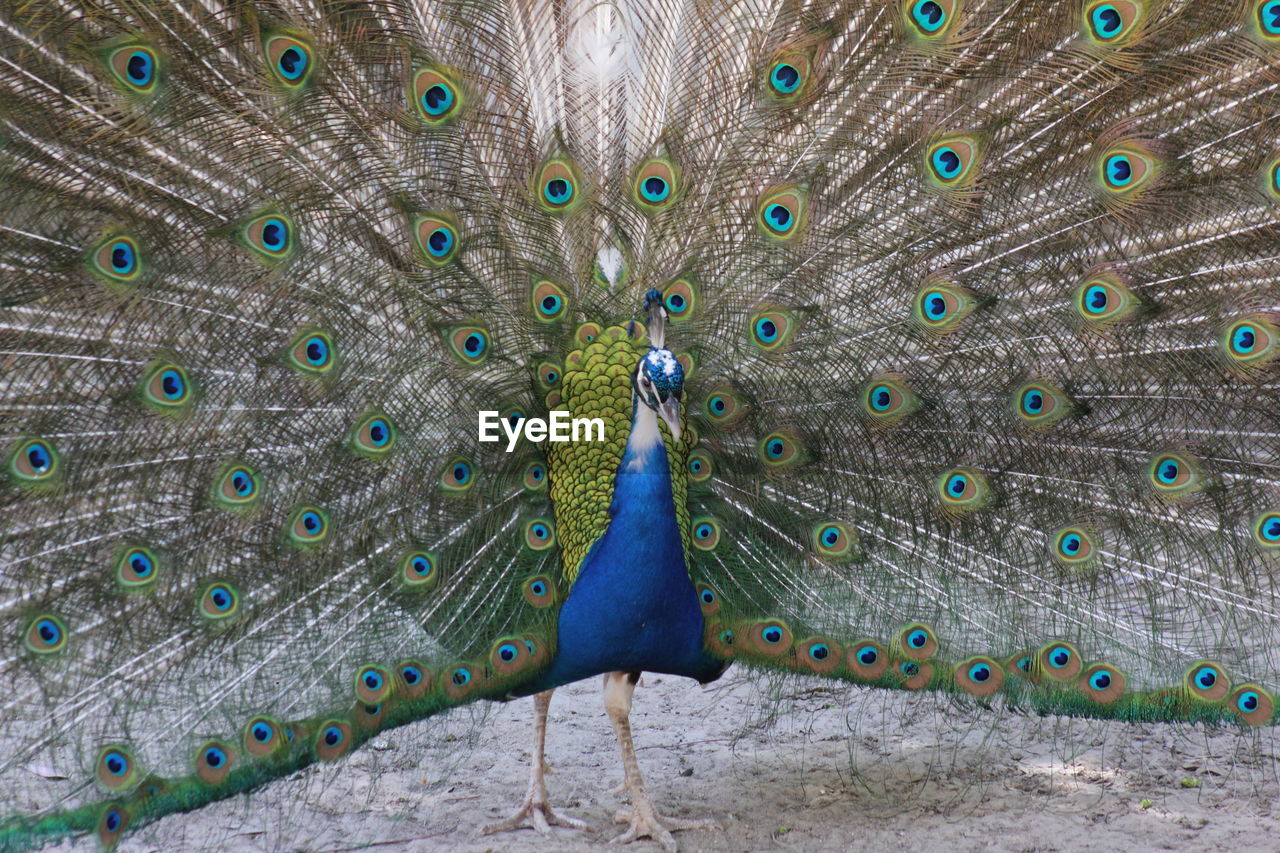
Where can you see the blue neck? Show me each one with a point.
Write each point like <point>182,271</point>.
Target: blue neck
<point>633,606</point>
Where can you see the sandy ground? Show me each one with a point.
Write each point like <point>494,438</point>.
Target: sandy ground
<point>790,765</point>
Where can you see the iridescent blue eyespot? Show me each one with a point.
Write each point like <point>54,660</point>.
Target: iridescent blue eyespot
<point>917,639</point>
<point>766,330</point>
<point>1071,543</point>
<point>262,732</point>
<point>772,634</point>
<point>332,736</point>
<point>775,448</point>
<point>708,597</point>
<point>39,457</point>
<point>702,531</point>
<point>819,651</point>
<point>316,351</point>
<point>275,234</point>
<point>1119,170</point>
<point>1206,677</point>
<point>141,565</point>
<point>1100,680</point>
<point>946,162</point>
<point>1248,701</point>
<point>1243,339</point>
<point>440,241</point>
<point>538,587</point>
<point>655,189</point>
<point>49,632</point>
<point>379,432</point>
<point>979,672</point>
<point>928,15</point>
<point>558,191</point>
<point>1106,21</point>
<point>461,676</point>
<point>411,675</point>
<point>1032,401</point>
<point>1269,17</point>
<point>373,680</point>
<point>123,258</point>
<point>508,652</point>
<point>139,68</point>
<point>880,398</point>
<point>172,385</point>
<point>778,217</point>
<point>113,819</point>
<point>221,598</point>
<point>867,655</point>
<point>437,99</point>
<point>785,78</point>
<point>1167,471</point>
<point>214,757</point>
<point>934,305</point>
<point>1059,657</point>
<point>292,63</point>
<point>1095,300</point>
<point>830,536</point>
<point>957,483</point>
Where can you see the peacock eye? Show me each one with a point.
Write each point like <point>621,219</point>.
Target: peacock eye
<point>1112,21</point>
<point>373,436</point>
<point>706,533</point>
<point>308,526</point>
<point>788,76</point>
<point>951,160</point>
<point>470,344</point>
<point>655,185</point>
<point>549,301</point>
<point>45,635</point>
<point>136,568</point>
<point>928,16</point>
<point>33,461</point>
<point>963,490</point>
<point>116,259</point>
<point>435,96</point>
<point>1126,169</point>
<point>1269,18</point>
<point>270,236</point>
<point>218,601</point>
<point>437,238</point>
<point>557,186</point>
<point>166,388</point>
<point>289,59</point>
<point>779,213</point>
<point>135,66</point>
<point>539,534</point>
<point>939,306</point>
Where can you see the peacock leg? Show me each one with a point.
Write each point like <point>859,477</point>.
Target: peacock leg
<point>643,819</point>
<point>535,811</point>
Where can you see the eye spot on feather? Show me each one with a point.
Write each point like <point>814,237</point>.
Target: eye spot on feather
<point>708,599</point>
<point>166,388</point>
<point>469,344</point>
<point>437,238</point>
<point>419,570</point>
<point>939,306</point>
<point>952,161</point>
<point>700,466</point>
<point>680,298</point>
<point>135,66</point>
<point>435,97</point>
<point>33,461</point>
<point>372,684</point>
<point>868,659</point>
<point>724,407</point>
<point>112,824</point>
<point>979,676</point>
<point>787,76</point>
<point>963,490</point>
<point>820,655</point>
<point>116,768</point>
<point>558,187</point>
<point>1123,170</point>
<point>539,591</point>
<point>539,534</point>
<point>219,601</point>
<point>1249,344</point>
<point>1111,22</point>
<point>655,186</point>
<point>308,526</point>
<point>269,236</point>
<point>548,300</point>
<point>213,762</point>
<point>262,737</point>
<point>333,740</point>
<point>706,533</point>
<point>930,19</point>
<point>780,213</point>
<point>1253,705</point>
<point>1268,19</point>
<point>771,638</point>
<point>457,476</point>
<point>136,568</point>
<point>45,634</point>
<point>1266,530</point>
<point>413,679</point>
<point>117,259</point>
<point>1173,475</point>
<point>373,436</point>
<point>1103,299</point>
<point>834,541</point>
<point>1102,683</point>
<point>771,330</point>
<point>1059,661</point>
<point>1074,546</point>
<point>1208,681</point>
<point>290,60</point>
<point>917,642</point>
<point>887,400</point>
<point>1039,405</point>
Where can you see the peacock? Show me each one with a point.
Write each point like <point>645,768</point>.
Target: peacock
<point>919,344</point>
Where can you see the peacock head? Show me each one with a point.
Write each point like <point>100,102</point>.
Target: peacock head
<point>659,377</point>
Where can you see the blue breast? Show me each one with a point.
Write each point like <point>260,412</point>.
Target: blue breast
<point>633,606</point>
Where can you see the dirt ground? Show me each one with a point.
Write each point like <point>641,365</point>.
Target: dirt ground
<point>781,765</point>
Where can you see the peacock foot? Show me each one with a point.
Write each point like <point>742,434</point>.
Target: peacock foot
<point>645,822</point>
<point>535,812</point>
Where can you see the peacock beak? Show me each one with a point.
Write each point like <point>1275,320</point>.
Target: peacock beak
<point>669,411</point>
